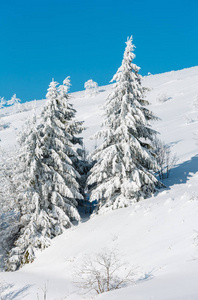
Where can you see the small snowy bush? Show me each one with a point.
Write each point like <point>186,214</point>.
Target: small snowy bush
<point>163,98</point>
<point>90,87</point>
<point>188,119</point>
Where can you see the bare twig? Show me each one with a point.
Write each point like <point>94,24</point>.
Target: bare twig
<point>102,272</point>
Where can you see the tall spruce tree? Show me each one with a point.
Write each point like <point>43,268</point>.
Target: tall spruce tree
<point>123,172</point>
<point>74,128</point>
<point>49,187</point>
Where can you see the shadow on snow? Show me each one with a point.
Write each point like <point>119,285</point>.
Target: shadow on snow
<point>182,172</point>
<point>7,292</point>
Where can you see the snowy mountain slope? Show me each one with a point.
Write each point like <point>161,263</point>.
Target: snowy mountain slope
<point>159,235</point>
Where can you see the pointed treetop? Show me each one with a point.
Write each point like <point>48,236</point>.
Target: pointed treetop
<point>128,53</point>
<point>127,65</point>
<point>129,42</point>
<point>53,83</point>
<point>67,84</point>
<point>52,90</point>
<point>64,88</point>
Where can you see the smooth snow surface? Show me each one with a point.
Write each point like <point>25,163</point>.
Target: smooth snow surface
<point>158,235</point>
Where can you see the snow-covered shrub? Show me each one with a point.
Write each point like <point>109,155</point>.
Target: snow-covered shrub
<point>188,119</point>
<point>3,125</point>
<point>195,103</point>
<point>90,87</point>
<point>163,98</point>
<point>123,172</point>
<point>104,272</point>
<point>165,159</point>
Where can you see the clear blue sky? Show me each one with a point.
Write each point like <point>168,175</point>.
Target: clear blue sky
<point>84,39</point>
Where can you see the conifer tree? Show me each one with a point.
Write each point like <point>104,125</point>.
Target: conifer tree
<point>49,187</point>
<point>25,181</point>
<point>123,172</point>
<point>9,210</point>
<point>15,102</point>
<point>75,127</point>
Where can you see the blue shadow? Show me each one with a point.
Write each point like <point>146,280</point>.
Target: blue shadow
<point>182,172</point>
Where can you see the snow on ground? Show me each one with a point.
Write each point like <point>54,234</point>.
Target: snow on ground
<point>159,235</point>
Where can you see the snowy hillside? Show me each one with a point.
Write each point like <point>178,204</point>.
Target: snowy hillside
<point>159,235</point>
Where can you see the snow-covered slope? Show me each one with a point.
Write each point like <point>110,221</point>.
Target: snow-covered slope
<point>159,235</point>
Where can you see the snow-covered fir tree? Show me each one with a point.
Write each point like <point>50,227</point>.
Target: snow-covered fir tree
<point>9,209</point>
<point>74,128</point>
<point>15,102</point>
<point>123,172</point>
<point>49,188</point>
